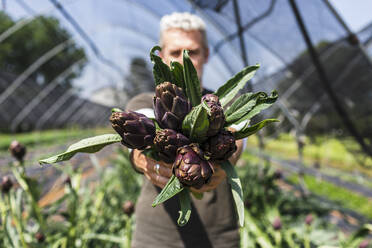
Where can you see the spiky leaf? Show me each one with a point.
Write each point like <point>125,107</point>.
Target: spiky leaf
<point>249,130</point>
<point>247,106</point>
<point>161,71</point>
<point>89,145</point>
<point>185,212</point>
<point>196,123</point>
<point>192,83</point>
<point>177,75</point>
<point>236,188</point>
<point>229,90</point>
<point>172,188</point>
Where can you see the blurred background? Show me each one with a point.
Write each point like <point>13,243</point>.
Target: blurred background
<point>65,63</point>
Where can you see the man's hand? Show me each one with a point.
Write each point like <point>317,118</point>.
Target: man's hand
<point>147,166</point>
<point>218,176</point>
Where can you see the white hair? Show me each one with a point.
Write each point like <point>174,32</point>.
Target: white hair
<point>184,21</point>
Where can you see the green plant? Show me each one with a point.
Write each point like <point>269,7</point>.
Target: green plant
<point>276,218</point>
<point>77,219</point>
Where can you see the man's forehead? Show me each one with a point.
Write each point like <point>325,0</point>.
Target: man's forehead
<point>178,38</point>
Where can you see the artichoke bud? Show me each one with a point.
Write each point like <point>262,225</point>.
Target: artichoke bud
<point>191,168</point>
<point>137,131</point>
<point>40,237</point>
<point>67,181</point>
<point>17,150</point>
<point>364,244</point>
<point>277,224</point>
<point>216,116</point>
<point>221,146</point>
<point>167,141</point>
<point>171,106</point>
<point>6,184</point>
<point>278,174</point>
<point>128,208</point>
<point>309,219</point>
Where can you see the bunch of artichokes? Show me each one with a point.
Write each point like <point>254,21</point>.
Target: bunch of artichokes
<point>189,131</point>
<point>191,160</point>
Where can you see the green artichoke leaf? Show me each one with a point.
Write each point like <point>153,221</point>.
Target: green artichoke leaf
<point>28,184</point>
<point>229,90</point>
<point>151,153</point>
<point>197,195</point>
<point>253,226</point>
<point>177,75</point>
<point>236,188</point>
<point>195,125</point>
<point>249,130</point>
<point>113,110</point>
<point>89,145</point>
<point>185,212</point>
<point>358,236</point>
<point>240,107</point>
<point>157,127</point>
<point>172,188</point>
<point>206,107</point>
<point>161,71</point>
<point>248,105</point>
<point>192,83</point>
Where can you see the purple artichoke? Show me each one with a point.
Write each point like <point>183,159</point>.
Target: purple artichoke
<point>217,117</point>
<point>6,184</point>
<point>221,146</point>
<point>191,168</point>
<point>277,224</point>
<point>17,150</point>
<point>128,208</point>
<point>171,106</point>
<point>136,130</point>
<point>278,174</point>
<point>167,141</point>
<point>309,219</point>
<point>364,244</point>
<point>40,237</point>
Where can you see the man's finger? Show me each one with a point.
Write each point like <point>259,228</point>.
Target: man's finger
<point>150,160</point>
<point>170,166</point>
<point>162,170</point>
<point>158,180</point>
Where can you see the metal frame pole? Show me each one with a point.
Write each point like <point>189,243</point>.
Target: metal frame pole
<point>42,94</point>
<point>241,40</point>
<point>32,68</point>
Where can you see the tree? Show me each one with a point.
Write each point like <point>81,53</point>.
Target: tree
<point>27,44</point>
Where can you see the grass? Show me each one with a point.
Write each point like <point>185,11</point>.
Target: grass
<point>346,198</point>
<point>326,151</point>
<point>49,137</point>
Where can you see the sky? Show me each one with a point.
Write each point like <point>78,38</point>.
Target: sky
<point>356,13</point>
<point>102,20</point>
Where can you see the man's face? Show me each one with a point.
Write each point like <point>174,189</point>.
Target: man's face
<point>176,40</point>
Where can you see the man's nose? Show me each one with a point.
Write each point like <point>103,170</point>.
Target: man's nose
<point>179,58</point>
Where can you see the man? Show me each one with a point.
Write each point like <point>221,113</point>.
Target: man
<point>213,220</point>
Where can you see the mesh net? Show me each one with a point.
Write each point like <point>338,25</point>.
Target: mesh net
<point>124,31</point>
